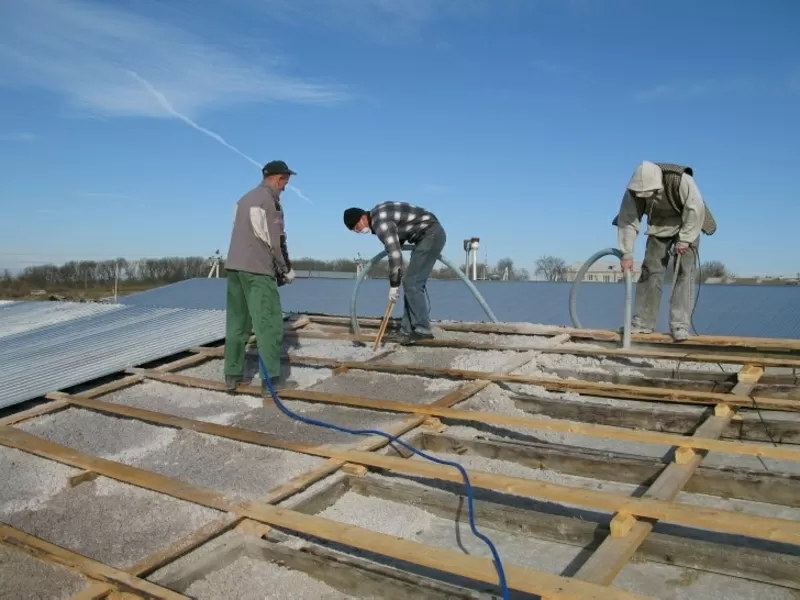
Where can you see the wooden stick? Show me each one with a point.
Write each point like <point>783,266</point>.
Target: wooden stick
<point>733,358</point>
<point>588,388</point>
<point>560,426</point>
<point>613,554</point>
<point>38,548</point>
<point>384,324</point>
<point>158,559</point>
<point>779,344</point>
<point>727,521</point>
<point>440,559</point>
<point>106,388</point>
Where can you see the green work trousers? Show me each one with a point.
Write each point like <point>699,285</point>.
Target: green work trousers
<point>253,304</point>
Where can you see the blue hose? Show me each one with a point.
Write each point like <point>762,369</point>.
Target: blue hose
<point>497,562</point>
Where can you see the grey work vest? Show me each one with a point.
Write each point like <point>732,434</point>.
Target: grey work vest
<point>246,251</point>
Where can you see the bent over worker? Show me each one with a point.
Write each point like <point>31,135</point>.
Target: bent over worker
<point>676,215</point>
<point>256,264</point>
<point>395,224</point>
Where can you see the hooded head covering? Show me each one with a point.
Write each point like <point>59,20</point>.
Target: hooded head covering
<point>646,178</point>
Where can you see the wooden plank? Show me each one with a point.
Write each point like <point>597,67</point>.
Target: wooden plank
<point>94,392</point>
<point>582,531</point>
<point>32,413</point>
<point>601,431</point>
<point>748,426</point>
<point>93,591</point>
<point>440,559</point>
<point>588,388</point>
<point>726,521</point>
<point>740,483</point>
<point>676,353</point>
<point>357,577</point>
<point>158,559</point>
<point>610,558</point>
<point>722,357</point>
<point>780,344</point>
<point>43,550</point>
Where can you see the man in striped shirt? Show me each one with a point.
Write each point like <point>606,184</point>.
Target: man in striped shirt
<point>395,224</point>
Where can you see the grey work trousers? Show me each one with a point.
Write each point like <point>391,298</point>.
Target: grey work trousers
<point>649,287</point>
<point>416,312</point>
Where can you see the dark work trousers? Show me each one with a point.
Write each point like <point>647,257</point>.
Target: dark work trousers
<point>416,312</point>
<point>253,304</point>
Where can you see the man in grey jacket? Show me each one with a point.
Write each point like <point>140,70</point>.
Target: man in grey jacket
<point>676,215</point>
<point>256,264</point>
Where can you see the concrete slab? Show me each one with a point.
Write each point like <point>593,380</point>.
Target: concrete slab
<point>112,522</point>
<point>29,481</point>
<point>269,419</point>
<point>304,376</point>
<point>26,577</point>
<point>383,386</point>
<point>114,438</point>
<point>249,578</point>
<point>242,471</point>
<point>203,405</point>
<point>657,580</point>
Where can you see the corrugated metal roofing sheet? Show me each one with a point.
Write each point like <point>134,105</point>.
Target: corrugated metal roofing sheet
<point>63,352</point>
<point>745,310</point>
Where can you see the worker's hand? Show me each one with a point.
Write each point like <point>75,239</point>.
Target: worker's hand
<point>394,292</point>
<point>626,264</point>
<point>681,247</point>
<point>289,277</point>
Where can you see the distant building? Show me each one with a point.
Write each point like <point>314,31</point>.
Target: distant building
<point>305,274</point>
<point>602,272</point>
<point>756,280</point>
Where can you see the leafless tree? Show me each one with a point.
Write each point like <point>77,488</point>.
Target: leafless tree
<point>552,268</point>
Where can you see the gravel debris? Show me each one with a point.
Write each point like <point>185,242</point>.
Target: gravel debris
<point>27,577</point>
<point>270,419</point>
<point>241,471</point>
<point>253,579</point>
<point>125,523</point>
<point>384,386</point>
<point>35,480</point>
<point>191,403</point>
<point>114,438</point>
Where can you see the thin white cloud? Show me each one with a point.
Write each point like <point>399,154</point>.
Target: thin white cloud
<point>18,137</point>
<point>86,50</point>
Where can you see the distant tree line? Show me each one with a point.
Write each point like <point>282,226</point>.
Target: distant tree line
<point>555,268</point>
<point>89,274</point>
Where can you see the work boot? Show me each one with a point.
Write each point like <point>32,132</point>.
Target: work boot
<point>416,336</point>
<point>280,384</point>
<point>396,337</point>
<point>680,334</point>
<point>231,383</point>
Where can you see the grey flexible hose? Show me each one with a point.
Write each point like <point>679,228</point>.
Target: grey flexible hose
<point>375,259</point>
<point>573,294</point>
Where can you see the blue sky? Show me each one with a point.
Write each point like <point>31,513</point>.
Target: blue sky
<point>516,121</point>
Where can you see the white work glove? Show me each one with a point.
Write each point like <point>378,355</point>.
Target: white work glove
<point>289,277</point>
<point>394,292</point>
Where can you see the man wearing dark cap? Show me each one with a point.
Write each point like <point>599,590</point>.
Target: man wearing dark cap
<point>395,224</point>
<point>256,264</point>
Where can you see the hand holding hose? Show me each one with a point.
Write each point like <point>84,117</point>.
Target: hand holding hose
<point>626,264</point>
<point>681,247</point>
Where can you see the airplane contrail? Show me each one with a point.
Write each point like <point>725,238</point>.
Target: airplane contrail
<point>167,106</point>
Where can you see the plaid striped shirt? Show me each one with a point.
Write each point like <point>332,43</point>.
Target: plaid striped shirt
<point>397,223</point>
